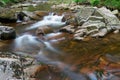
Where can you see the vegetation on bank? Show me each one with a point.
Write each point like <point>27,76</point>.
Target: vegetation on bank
<point>108,3</point>
<point>115,4</point>
<point>6,2</point>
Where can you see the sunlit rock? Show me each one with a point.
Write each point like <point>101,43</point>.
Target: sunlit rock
<point>31,15</point>
<point>41,13</point>
<point>94,18</point>
<point>84,13</point>
<point>10,66</point>
<point>109,17</point>
<point>116,31</point>
<point>68,28</point>
<point>115,12</point>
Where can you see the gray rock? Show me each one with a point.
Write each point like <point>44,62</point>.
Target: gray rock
<point>114,26</point>
<point>91,28</point>
<point>10,67</point>
<point>23,5</point>
<point>68,28</point>
<point>7,33</point>
<point>101,33</point>
<point>90,25</point>
<point>78,38</point>
<point>109,17</point>
<point>94,18</point>
<point>31,15</point>
<point>84,13</point>
<point>116,31</point>
<point>115,12</point>
<point>80,33</point>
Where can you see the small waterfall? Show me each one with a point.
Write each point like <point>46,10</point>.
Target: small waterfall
<point>28,43</point>
<point>25,39</point>
<point>51,20</point>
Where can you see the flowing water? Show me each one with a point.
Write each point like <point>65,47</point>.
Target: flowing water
<point>74,58</point>
<point>51,20</point>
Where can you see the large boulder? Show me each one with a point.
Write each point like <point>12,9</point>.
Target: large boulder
<point>110,19</point>
<point>7,15</point>
<point>12,66</point>
<point>7,33</point>
<point>83,14</point>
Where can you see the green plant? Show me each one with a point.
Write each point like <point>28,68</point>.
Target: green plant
<point>80,1</point>
<point>94,2</point>
<point>112,3</point>
<point>4,2</point>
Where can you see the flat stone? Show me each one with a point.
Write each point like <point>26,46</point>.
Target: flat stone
<point>78,38</point>
<point>101,33</point>
<point>41,13</point>
<point>116,31</point>
<point>90,25</point>
<point>68,28</point>
<point>85,12</point>
<point>115,12</point>
<point>32,15</point>
<point>94,18</point>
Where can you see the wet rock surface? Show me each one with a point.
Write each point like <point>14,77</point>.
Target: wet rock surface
<point>94,22</point>
<point>12,66</point>
<point>7,33</point>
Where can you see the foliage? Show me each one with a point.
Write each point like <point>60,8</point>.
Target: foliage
<point>94,2</point>
<point>4,2</point>
<point>80,1</point>
<point>108,3</point>
<point>112,3</point>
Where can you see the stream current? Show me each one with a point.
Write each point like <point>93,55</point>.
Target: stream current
<point>61,51</point>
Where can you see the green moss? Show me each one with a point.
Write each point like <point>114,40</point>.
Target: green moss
<point>45,7</point>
